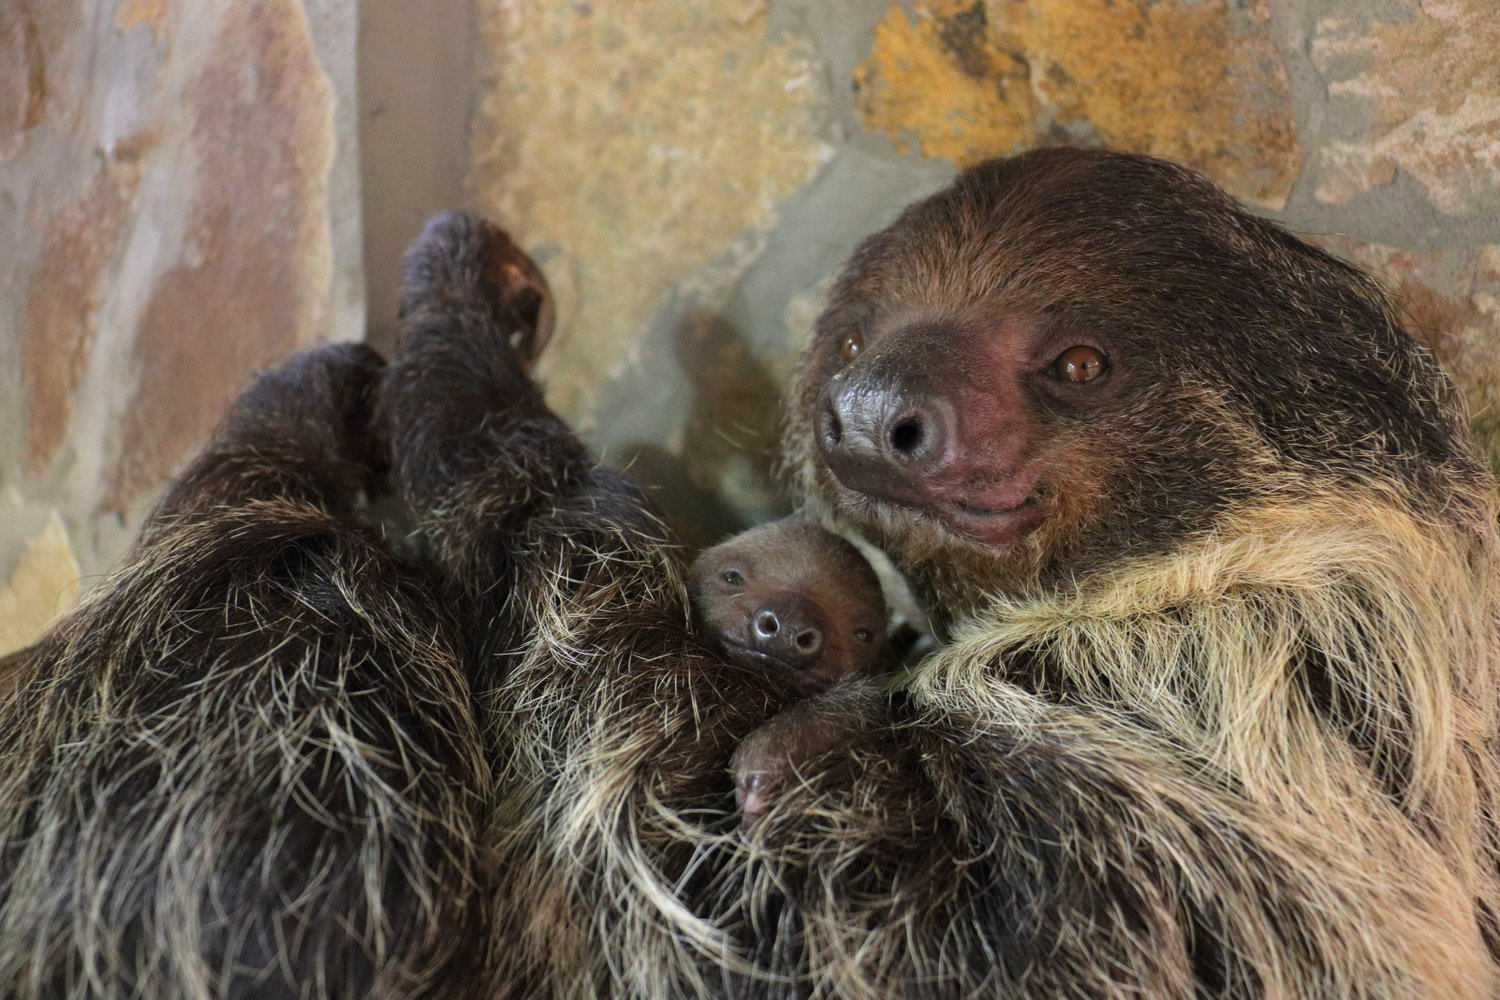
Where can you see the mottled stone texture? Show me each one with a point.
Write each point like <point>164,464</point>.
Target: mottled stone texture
<point>646,144</point>
<point>1424,90</point>
<point>1201,82</point>
<point>165,229</point>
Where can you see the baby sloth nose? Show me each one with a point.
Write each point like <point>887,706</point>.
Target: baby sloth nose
<point>784,629</point>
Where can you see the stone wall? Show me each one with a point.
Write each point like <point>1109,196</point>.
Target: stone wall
<point>177,208</point>
<point>180,196</point>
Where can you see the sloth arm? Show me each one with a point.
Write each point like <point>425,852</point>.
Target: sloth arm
<point>609,723</point>
<point>210,773</point>
<point>1065,851</point>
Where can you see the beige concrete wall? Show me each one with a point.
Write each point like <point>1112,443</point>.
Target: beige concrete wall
<point>190,190</point>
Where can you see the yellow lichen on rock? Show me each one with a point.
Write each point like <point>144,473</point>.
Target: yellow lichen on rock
<point>1192,81</point>
<point>942,77</point>
<point>44,584</point>
<point>639,147</point>
<point>1198,82</point>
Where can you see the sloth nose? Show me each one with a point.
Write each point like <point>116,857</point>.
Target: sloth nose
<point>881,433</point>
<point>784,629</point>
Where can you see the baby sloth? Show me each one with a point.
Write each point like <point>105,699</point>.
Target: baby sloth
<point>795,599</point>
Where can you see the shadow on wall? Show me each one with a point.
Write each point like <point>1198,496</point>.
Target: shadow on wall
<point>731,437</point>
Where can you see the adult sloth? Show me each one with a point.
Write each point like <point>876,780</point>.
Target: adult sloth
<point>1216,710</point>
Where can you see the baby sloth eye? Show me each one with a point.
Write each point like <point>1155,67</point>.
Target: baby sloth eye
<point>864,635</point>
<point>852,345</point>
<point>1079,364</point>
<point>734,577</point>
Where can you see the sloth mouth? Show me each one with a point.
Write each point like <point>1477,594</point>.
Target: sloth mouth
<point>743,654</point>
<point>755,659</point>
<point>991,525</point>
<point>997,519</point>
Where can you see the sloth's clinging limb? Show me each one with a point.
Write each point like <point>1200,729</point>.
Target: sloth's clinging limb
<point>213,780</point>
<point>609,720</point>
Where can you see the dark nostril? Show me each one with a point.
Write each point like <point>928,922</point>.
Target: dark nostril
<point>808,640</point>
<point>766,623</point>
<point>833,430</point>
<point>906,436</point>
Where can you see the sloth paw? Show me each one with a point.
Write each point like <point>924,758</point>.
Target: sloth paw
<point>754,791</point>
<point>774,759</point>
<point>462,261</point>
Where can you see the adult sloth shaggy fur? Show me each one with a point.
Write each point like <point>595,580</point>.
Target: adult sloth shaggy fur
<point>1214,714</point>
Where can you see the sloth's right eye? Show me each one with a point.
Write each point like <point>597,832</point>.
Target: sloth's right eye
<point>1079,364</point>
<point>734,577</point>
<point>852,345</point>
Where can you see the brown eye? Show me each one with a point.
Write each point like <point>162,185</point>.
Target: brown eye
<point>864,635</point>
<point>734,577</point>
<point>1079,364</point>
<point>853,344</point>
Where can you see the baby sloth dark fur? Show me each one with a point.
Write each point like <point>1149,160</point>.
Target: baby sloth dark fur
<point>797,600</point>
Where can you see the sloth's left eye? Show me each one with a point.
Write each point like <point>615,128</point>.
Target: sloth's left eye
<point>864,635</point>
<point>1079,364</point>
<point>734,577</point>
<point>852,345</point>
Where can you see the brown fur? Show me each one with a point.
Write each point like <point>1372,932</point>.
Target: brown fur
<point>793,566</point>
<point>1222,725</point>
<point>818,575</point>
<point>208,787</point>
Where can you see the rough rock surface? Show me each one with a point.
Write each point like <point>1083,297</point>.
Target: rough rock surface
<point>165,229</point>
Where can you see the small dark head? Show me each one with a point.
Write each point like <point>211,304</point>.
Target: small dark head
<point>1072,356</point>
<point>792,597</point>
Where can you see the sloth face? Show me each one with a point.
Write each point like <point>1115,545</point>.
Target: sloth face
<point>1070,357</point>
<point>793,598</point>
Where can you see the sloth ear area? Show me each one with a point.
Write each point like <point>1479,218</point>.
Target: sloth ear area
<point>524,290</point>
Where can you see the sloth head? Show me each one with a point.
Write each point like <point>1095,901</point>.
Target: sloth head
<point>794,598</point>
<point>1069,357</point>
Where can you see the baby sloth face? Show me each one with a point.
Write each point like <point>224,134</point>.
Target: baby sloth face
<point>793,598</point>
